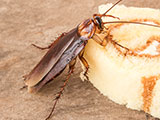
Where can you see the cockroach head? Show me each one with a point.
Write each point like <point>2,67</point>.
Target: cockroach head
<point>98,22</point>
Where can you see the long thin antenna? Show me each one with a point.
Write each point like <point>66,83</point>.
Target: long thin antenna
<point>132,23</point>
<point>112,7</point>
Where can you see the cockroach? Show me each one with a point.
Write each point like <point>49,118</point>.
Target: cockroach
<point>64,51</point>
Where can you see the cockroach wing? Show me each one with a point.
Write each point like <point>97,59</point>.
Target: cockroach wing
<point>70,54</point>
<point>50,58</point>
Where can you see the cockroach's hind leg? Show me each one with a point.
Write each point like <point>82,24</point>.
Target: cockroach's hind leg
<point>59,94</point>
<point>85,63</point>
<point>43,48</point>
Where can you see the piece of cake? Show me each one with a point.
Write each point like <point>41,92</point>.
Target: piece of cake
<point>127,69</point>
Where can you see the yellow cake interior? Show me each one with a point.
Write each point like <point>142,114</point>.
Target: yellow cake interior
<point>128,76</point>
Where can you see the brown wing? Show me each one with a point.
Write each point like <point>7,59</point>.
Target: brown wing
<point>71,53</point>
<point>50,58</point>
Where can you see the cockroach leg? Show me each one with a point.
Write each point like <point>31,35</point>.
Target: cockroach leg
<point>100,41</point>
<point>85,63</point>
<point>105,40</point>
<point>109,38</point>
<point>97,39</point>
<point>71,68</point>
<point>120,45</point>
<point>43,48</point>
<point>127,49</point>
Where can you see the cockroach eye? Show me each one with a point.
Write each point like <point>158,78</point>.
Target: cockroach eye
<point>68,59</point>
<point>98,22</point>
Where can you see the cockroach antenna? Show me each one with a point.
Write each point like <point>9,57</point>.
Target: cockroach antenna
<point>132,22</point>
<point>112,7</point>
<point>104,14</point>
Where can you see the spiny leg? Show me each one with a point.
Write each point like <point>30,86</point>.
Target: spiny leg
<point>85,63</point>
<point>120,45</point>
<point>97,39</point>
<point>109,38</point>
<point>71,68</point>
<point>43,48</point>
<point>127,49</point>
<point>100,41</point>
<point>103,41</point>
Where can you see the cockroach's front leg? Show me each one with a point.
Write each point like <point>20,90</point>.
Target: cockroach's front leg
<point>43,48</point>
<point>97,39</point>
<point>85,63</point>
<point>100,41</point>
